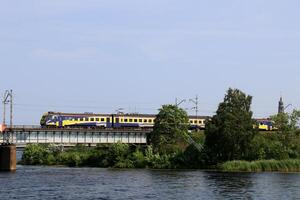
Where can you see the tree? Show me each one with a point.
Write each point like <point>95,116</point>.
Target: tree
<point>170,127</point>
<point>287,126</point>
<point>230,131</point>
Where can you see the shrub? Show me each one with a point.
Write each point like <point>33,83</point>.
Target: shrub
<point>288,165</point>
<point>35,154</point>
<point>139,160</point>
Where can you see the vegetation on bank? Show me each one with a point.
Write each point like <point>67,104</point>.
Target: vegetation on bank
<point>290,165</point>
<point>228,138</point>
<point>116,155</point>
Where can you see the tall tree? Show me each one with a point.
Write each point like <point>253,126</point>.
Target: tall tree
<point>170,128</point>
<point>230,131</point>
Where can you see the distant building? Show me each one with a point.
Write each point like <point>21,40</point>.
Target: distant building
<point>280,106</point>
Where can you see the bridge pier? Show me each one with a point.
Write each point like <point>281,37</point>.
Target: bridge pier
<point>8,157</point>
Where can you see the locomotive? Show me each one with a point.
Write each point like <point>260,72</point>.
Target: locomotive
<point>91,120</point>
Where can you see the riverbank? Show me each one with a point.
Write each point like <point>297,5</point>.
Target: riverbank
<point>125,156</point>
<point>118,155</point>
<point>288,165</point>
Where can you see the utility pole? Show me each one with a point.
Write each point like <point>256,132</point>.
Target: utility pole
<point>195,101</point>
<point>8,98</point>
<point>4,108</point>
<point>11,109</point>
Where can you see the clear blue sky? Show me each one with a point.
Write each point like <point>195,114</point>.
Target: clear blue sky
<point>97,56</point>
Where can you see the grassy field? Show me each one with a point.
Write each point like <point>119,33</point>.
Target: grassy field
<point>289,165</point>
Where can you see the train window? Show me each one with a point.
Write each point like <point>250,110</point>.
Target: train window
<point>191,121</point>
<point>150,120</point>
<point>130,120</point>
<point>97,119</point>
<point>135,120</point>
<point>140,120</point>
<point>81,119</point>
<point>102,119</point>
<point>195,121</point>
<point>92,119</point>
<point>125,120</point>
<point>145,120</point>
<point>121,120</point>
<point>86,119</point>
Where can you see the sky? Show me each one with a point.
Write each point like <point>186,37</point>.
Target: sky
<point>99,56</point>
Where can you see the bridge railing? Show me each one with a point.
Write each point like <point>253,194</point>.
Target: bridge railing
<point>26,126</point>
<point>31,134</point>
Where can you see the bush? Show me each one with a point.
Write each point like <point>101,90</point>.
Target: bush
<point>193,158</point>
<point>138,158</point>
<point>117,153</point>
<point>126,163</point>
<point>51,160</point>
<point>267,146</point>
<point>35,154</point>
<point>288,165</point>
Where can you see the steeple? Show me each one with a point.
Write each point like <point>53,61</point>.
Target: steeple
<point>280,106</point>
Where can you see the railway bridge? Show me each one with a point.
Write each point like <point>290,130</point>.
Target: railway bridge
<point>67,137</point>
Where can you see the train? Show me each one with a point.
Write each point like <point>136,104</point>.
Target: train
<point>265,124</point>
<point>120,120</point>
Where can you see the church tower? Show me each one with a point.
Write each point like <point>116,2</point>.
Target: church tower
<point>280,106</point>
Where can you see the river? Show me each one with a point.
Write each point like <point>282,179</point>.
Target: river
<point>36,182</point>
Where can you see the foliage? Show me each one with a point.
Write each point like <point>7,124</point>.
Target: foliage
<point>192,156</point>
<point>264,146</point>
<point>170,129</point>
<point>119,156</point>
<point>287,126</point>
<point>138,158</point>
<point>230,131</point>
<point>267,146</point>
<point>288,165</point>
<point>35,154</point>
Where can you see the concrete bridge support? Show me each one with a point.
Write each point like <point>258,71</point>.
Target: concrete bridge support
<point>8,158</point>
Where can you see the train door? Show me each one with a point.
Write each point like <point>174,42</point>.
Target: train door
<point>60,121</point>
<point>108,124</point>
<point>117,124</point>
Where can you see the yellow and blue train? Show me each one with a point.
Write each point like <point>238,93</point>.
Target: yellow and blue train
<point>265,124</point>
<point>90,120</point>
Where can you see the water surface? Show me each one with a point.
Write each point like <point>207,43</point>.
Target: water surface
<point>30,182</point>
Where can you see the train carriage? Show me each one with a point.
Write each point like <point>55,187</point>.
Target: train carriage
<point>133,120</point>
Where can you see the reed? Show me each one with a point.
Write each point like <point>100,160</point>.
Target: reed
<point>289,165</point>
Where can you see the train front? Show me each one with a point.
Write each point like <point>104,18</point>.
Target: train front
<point>48,119</point>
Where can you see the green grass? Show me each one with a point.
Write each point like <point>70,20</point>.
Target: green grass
<point>288,165</point>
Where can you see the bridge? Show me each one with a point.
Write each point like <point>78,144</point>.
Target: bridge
<point>67,137</point>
